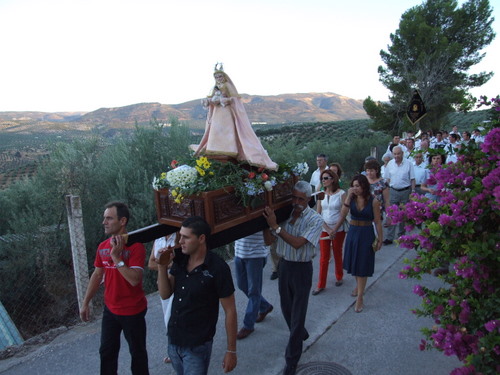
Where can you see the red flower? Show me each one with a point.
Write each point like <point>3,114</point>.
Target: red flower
<point>174,163</point>
<point>251,175</point>
<point>260,170</point>
<point>264,177</point>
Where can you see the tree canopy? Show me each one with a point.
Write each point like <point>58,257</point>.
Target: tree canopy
<point>432,51</point>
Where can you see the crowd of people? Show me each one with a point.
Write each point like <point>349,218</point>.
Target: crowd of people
<point>193,281</point>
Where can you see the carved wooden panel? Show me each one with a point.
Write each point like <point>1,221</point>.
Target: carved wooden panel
<point>220,208</point>
<point>226,207</point>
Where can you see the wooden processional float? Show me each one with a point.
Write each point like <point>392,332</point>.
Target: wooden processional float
<point>228,135</point>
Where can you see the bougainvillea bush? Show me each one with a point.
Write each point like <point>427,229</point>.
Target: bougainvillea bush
<point>462,230</point>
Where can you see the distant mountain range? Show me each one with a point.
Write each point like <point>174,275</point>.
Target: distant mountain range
<point>285,108</point>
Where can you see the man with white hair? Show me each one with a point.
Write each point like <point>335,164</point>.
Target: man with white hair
<point>400,175</point>
<point>297,238</point>
<point>385,159</point>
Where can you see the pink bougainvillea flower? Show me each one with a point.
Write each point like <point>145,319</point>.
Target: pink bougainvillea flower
<point>492,325</point>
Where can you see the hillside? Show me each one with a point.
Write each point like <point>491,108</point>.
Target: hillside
<point>22,152</point>
<point>279,109</point>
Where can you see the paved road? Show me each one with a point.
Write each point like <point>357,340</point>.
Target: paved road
<point>383,339</point>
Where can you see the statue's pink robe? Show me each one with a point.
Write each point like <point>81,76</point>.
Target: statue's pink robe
<point>228,132</point>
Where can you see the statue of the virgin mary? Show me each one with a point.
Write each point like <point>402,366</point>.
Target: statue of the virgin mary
<point>228,131</point>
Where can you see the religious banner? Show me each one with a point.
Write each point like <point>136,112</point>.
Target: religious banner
<point>416,109</point>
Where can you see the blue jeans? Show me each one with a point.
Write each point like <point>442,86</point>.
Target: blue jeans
<point>249,280</point>
<point>190,360</point>
<point>134,330</point>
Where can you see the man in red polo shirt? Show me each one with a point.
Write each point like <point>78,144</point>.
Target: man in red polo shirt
<point>125,304</point>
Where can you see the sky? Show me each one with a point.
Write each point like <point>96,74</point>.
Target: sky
<point>82,55</point>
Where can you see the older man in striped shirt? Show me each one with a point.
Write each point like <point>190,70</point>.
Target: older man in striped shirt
<point>297,240</point>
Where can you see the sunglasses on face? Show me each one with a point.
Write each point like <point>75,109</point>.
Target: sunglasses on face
<point>327,178</point>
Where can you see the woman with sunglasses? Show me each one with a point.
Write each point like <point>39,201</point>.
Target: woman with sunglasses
<point>329,208</point>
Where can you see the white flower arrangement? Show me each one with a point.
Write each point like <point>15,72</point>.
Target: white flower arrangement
<point>160,182</point>
<point>268,185</point>
<point>300,169</point>
<point>183,176</point>
<point>200,175</point>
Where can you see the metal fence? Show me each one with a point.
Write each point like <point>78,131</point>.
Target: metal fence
<point>41,279</point>
<point>44,275</point>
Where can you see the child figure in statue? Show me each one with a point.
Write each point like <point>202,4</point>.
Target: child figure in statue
<point>228,131</point>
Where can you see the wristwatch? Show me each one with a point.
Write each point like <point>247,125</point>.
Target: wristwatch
<point>120,264</point>
<point>278,230</point>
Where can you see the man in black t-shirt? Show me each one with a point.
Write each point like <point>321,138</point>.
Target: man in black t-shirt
<point>199,280</point>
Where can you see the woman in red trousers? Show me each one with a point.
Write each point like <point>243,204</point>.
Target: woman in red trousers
<point>329,208</point>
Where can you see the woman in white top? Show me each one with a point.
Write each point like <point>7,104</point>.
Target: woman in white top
<point>329,208</point>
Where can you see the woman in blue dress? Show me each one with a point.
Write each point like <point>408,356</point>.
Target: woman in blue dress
<point>361,244</point>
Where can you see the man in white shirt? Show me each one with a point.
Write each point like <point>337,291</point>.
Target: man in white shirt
<point>439,141</point>
<point>400,175</point>
<point>424,150</point>
<point>452,148</point>
<point>396,141</point>
<point>477,137</point>
<point>321,162</point>
<point>445,137</point>
<point>410,147</point>
<point>420,172</point>
<point>466,138</point>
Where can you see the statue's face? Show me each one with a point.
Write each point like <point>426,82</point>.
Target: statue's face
<point>219,78</point>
